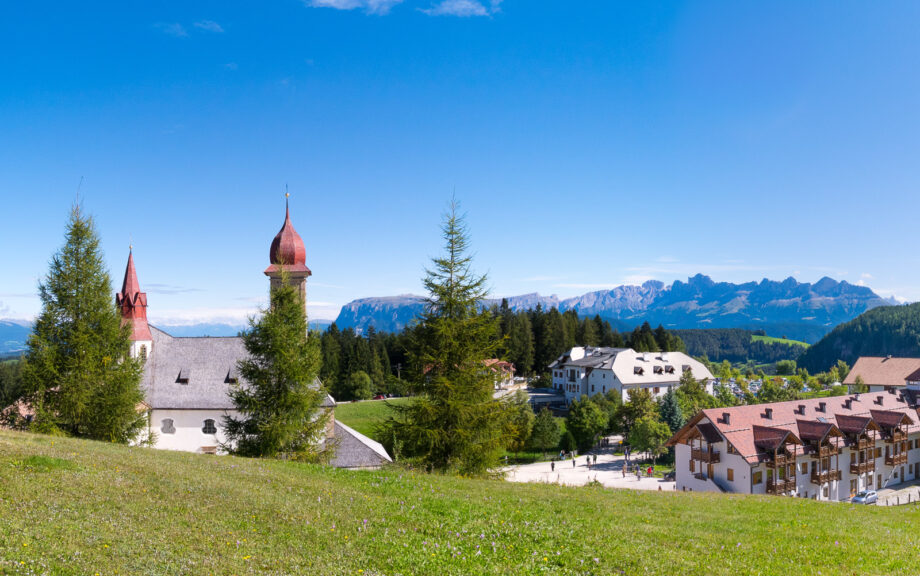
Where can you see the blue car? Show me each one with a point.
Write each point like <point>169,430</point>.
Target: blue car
<point>865,497</point>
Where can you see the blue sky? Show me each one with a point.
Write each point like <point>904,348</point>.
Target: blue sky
<point>592,143</point>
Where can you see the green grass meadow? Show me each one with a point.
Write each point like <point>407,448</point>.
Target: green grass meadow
<point>774,340</point>
<point>365,416</point>
<point>70,507</point>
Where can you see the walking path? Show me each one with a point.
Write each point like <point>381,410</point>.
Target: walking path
<point>608,472</point>
<point>903,494</point>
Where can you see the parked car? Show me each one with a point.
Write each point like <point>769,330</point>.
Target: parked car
<point>379,397</point>
<point>670,476</point>
<point>865,497</point>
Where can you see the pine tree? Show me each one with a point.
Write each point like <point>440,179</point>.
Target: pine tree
<point>78,374</point>
<point>545,433</point>
<point>279,394</point>
<point>453,423</point>
<point>669,411</point>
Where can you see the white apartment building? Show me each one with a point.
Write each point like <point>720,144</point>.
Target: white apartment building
<point>586,371</point>
<point>822,448</point>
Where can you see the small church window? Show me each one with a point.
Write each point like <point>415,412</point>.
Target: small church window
<point>168,427</point>
<point>143,352</point>
<point>209,427</point>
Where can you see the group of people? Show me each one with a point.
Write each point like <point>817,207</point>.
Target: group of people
<point>562,456</point>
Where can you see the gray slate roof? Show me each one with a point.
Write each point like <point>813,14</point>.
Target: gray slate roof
<point>355,450</point>
<point>206,366</point>
<point>208,362</point>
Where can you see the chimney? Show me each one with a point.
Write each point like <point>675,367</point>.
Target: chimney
<point>802,409</point>
<point>768,413</point>
<point>726,418</point>
<point>822,406</point>
<point>880,400</point>
<point>848,403</point>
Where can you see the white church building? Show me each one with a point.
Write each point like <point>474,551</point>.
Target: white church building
<point>186,381</point>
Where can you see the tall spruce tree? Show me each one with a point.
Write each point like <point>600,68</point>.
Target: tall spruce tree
<point>279,396</point>
<point>78,374</point>
<point>453,423</point>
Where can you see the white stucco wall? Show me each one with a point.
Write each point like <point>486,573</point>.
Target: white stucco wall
<point>188,436</point>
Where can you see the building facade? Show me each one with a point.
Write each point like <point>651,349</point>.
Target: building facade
<point>881,373</point>
<point>822,448</point>
<point>586,371</point>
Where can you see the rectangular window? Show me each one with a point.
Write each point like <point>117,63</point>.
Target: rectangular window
<point>758,477</point>
<point>804,467</point>
<point>869,480</point>
<point>657,389</point>
<point>825,491</point>
<point>878,452</point>
<point>730,475</point>
<point>693,465</point>
<point>853,485</point>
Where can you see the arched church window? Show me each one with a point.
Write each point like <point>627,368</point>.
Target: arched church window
<point>209,427</point>
<point>168,427</point>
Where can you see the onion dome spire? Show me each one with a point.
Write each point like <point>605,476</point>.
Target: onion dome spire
<point>287,250</point>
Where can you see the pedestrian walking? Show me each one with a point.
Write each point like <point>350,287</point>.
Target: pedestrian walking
<point>624,470</point>
<point>595,459</point>
<point>552,466</point>
<point>573,462</point>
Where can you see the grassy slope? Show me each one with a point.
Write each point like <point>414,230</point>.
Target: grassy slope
<point>774,340</point>
<point>106,509</point>
<point>364,416</point>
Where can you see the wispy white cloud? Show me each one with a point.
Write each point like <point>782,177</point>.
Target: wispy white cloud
<point>461,8</point>
<point>209,26</point>
<point>173,29</point>
<point>588,286</point>
<point>369,6</point>
<point>863,278</point>
<point>231,66</point>
<point>155,288</point>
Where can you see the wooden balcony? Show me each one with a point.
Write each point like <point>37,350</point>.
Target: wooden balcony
<point>862,467</point>
<point>780,461</point>
<point>864,443</point>
<point>781,486</point>
<point>896,459</point>
<point>709,456</point>
<point>896,436</point>
<point>824,476</point>
<point>826,451</point>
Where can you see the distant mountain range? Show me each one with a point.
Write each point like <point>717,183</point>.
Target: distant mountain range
<point>797,310</point>
<point>13,336</point>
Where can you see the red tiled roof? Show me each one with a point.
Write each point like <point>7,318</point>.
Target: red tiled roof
<point>884,371</point>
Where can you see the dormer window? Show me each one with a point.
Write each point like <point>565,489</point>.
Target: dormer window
<point>658,370</point>
<point>639,370</point>
<point>233,375</point>
<point>184,375</point>
<point>686,367</point>
<point>669,369</point>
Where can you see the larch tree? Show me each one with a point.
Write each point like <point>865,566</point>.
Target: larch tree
<point>279,395</point>
<point>546,432</point>
<point>78,374</point>
<point>452,424</point>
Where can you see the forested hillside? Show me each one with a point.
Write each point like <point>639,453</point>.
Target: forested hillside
<point>357,366</point>
<point>736,345</point>
<point>893,330</point>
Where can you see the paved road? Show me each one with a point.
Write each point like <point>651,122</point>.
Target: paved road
<point>608,471</point>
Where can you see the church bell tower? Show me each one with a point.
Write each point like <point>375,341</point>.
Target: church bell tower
<point>288,254</point>
<point>133,306</point>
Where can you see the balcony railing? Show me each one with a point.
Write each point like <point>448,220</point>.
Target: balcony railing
<point>824,476</point>
<point>864,443</point>
<point>826,451</point>
<point>862,467</point>
<point>896,436</point>
<point>780,461</point>
<point>709,456</point>
<point>896,459</point>
<point>780,486</point>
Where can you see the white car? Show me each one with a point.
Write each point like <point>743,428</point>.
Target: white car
<point>865,497</point>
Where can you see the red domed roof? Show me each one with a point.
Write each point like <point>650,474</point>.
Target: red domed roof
<point>287,248</point>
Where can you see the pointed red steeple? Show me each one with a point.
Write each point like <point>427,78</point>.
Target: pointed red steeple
<point>133,303</point>
<point>287,249</point>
